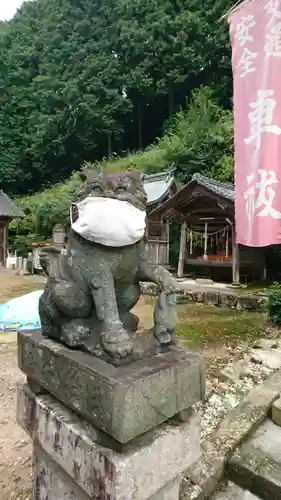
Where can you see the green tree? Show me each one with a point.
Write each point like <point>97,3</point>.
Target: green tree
<point>63,92</point>
<point>169,48</point>
<point>81,79</point>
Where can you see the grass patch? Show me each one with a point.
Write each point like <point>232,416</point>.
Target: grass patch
<point>255,288</point>
<point>205,326</point>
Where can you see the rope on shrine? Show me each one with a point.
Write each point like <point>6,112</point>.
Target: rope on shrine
<point>208,234</point>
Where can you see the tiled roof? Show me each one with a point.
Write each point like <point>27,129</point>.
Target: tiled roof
<point>223,189</point>
<point>8,208</point>
<point>157,185</point>
<point>180,200</point>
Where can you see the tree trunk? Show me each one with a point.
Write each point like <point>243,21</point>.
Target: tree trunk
<point>109,145</point>
<point>139,126</point>
<point>171,101</point>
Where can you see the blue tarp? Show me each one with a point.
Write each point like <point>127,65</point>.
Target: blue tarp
<point>21,313</point>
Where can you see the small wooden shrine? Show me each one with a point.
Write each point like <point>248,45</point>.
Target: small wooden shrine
<point>159,188</point>
<point>8,211</point>
<point>205,209</point>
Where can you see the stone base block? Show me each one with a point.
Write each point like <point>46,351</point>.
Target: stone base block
<point>51,482</point>
<point>122,401</point>
<point>70,456</point>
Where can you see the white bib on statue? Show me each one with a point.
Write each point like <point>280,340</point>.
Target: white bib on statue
<point>109,222</point>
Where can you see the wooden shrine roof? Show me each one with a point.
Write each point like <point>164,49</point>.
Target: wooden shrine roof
<point>201,196</point>
<point>157,186</point>
<point>8,208</point>
<point>221,189</point>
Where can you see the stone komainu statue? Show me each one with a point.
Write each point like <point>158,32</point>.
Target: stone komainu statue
<point>92,288</point>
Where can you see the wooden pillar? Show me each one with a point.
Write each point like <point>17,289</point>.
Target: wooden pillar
<point>157,253</point>
<point>191,242</point>
<point>167,224</point>
<point>182,250</point>
<point>235,259</point>
<point>226,243</point>
<point>205,256</point>
<point>5,243</point>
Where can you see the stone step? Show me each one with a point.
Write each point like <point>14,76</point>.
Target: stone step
<point>276,412</point>
<point>233,492</point>
<point>256,465</point>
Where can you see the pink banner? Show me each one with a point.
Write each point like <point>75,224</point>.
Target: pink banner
<point>255,30</point>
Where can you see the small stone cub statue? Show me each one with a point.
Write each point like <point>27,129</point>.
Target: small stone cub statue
<point>91,288</point>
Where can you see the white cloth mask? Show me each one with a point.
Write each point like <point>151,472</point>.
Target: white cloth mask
<point>109,222</point>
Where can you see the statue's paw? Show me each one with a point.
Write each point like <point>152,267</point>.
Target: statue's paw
<point>164,337</point>
<point>123,349</point>
<point>170,285</point>
<point>117,343</point>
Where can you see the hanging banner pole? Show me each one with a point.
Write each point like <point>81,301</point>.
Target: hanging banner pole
<point>227,243</point>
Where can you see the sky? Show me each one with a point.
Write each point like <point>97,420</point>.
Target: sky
<point>8,8</point>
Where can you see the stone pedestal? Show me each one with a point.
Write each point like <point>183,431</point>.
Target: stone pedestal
<point>73,462</point>
<point>123,401</point>
<point>104,432</point>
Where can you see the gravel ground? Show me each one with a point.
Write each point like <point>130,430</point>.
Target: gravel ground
<point>15,447</point>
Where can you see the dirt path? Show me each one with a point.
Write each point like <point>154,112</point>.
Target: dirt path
<point>15,446</point>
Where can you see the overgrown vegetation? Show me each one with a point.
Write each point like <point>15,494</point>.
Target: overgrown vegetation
<point>197,139</point>
<point>274,303</point>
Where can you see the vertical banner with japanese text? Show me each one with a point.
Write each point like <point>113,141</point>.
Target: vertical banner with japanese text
<point>255,31</point>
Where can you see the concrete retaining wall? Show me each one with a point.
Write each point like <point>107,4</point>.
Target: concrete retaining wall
<point>224,298</point>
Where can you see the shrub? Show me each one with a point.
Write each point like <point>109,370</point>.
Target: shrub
<point>274,303</point>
